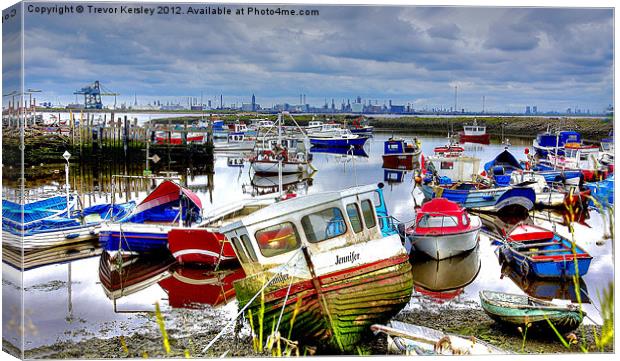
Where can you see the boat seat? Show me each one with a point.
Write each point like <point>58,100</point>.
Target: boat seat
<point>540,251</point>
<point>531,245</point>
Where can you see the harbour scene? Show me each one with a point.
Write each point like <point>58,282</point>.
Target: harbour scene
<point>214,226</point>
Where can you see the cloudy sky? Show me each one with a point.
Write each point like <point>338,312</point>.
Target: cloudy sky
<point>554,58</point>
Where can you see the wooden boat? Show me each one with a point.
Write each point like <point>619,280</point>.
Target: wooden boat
<point>342,138</point>
<point>146,228</point>
<point>122,276</point>
<point>474,133</point>
<point>397,153</point>
<point>412,339</point>
<point>331,263</point>
<point>443,280</point>
<point>196,288</point>
<point>443,229</point>
<point>541,253</point>
<point>522,310</point>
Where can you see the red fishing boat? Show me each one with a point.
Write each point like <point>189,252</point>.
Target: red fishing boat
<point>474,133</point>
<point>199,245</point>
<point>450,150</point>
<point>398,154</point>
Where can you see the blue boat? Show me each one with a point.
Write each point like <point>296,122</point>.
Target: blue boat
<point>55,230</point>
<point>552,175</point>
<point>356,151</point>
<point>35,211</point>
<point>342,138</point>
<point>475,195</point>
<point>146,229</point>
<point>547,142</point>
<point>537,252</point>
<point>602,192</point>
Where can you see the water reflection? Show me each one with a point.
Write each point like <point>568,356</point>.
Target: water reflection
<point>122,276</point>
<point>354,151</point>
<point>547,289</point>
<point>55,255</point>
<point>195,287</point>
<point>445,279</point>
<point>261,185</point>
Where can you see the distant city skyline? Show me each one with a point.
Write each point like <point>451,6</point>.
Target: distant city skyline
<point>551,58</point>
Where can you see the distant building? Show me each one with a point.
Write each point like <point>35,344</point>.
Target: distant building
<point>357,107</point>
<point>527,110</point>
<point>535,109</point>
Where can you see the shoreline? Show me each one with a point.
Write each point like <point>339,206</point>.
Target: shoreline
<point>467,321</point>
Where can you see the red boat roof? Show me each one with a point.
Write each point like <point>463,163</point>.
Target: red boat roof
<point>528,232</point>
<point>167,192</point>
<point>441,205</point>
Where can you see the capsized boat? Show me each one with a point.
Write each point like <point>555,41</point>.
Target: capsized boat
<point>413,339</point>
<point>444,229</point>
<point>538,252</point>
<point>146,228</point>
<point>521,310</point>
<point>331,264</point>
<point>196,288</point>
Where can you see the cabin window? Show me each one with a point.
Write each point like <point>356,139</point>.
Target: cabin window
<point>240,251</point>
<point>437,222</point>
<point>277,239</point>
<point>369,214</point>
<point>326,224</point>
<point>248,246</point>
<point>447,165</point>
<point>394,146</point>
<point>354,217</point>
<point>583,156</point>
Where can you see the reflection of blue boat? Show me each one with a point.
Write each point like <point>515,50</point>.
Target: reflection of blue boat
<point>474,195</point>
<point>356,151</point>
<point>548,289</point>
<point>547,142</point>
<point>602,191</point>
<point>146,229</point>
<point>393,175</point>
<point>535,251</point>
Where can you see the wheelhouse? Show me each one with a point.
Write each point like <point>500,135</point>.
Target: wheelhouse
<point>321,222</point>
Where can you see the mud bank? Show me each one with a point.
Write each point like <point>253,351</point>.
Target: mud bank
<point>468,321</point>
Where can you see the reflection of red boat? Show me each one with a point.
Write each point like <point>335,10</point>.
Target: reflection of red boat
<point>451,150</point>
<point>203,246</point>
<point>131,274</point>
<point>474,133</point>
<point>193,287</point>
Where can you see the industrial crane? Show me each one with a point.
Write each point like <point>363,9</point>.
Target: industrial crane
<point>92,95</point>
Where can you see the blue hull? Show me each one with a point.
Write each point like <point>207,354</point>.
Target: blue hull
<point>562,266</point>
<point>492,199</point>
<point>342,143</point>
<point>133,241</point>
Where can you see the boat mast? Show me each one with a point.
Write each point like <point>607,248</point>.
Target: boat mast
<point>280,156</point>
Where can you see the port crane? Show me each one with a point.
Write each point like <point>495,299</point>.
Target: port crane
<point>93,93</point>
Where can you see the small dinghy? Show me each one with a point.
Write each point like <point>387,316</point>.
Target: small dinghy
<point>412,339</point>
<point>520,310</point>
<point>538,252</point>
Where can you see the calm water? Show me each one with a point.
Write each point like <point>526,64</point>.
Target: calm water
<point>68,301</point>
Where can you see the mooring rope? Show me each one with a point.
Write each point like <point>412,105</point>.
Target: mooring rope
<point>281,269</point>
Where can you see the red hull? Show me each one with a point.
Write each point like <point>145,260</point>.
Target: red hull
<point>594,175</point>
<point>481,139</point>
<point>200,246</point>
<point>398,161</point>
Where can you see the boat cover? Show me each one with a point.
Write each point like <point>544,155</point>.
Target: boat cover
<point>504,159</point>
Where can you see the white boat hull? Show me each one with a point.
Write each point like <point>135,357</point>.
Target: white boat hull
<point>445,246</point>
<point>273,167</point>
<point>234,147</point>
